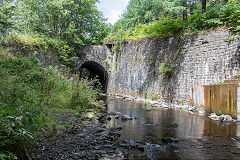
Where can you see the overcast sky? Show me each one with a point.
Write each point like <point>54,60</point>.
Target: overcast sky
<point>112,9</point>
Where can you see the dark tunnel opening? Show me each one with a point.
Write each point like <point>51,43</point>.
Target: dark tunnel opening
<point>91,69</point>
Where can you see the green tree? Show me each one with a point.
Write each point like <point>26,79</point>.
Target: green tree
<point>141,11</point>
<point>76,21</point>
<point>145,11</point>
<point>6,15</point>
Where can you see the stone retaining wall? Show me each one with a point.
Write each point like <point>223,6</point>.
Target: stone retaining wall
<point>195,60</point>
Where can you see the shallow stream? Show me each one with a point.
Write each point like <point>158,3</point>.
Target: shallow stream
<point>175,134</point>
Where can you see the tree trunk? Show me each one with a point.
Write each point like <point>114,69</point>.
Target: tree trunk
<point>204,4</point>
<point>185,11</point>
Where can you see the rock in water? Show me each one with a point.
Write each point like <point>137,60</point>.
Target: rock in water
<point>90,115</point>
<point>213,116</point>
<point>101,102</point>
<point>225,118</point>
<point>125,117</point>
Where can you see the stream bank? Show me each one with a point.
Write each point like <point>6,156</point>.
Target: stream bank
<point>84,137</point>
<point>135,130</point>
<point>176,106</point>
<point>88,138</point>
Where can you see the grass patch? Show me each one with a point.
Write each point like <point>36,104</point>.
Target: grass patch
<point>43,44</point>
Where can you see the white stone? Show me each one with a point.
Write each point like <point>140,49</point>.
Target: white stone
<point>225,118</point>
<point>90,115</point>
<point>178,106</point>
<point>165,106</point>
<point>213,116</point>
<point>101,102</point>
<point>191,108</point>
<point>185,107</point>
<point>201,112</point>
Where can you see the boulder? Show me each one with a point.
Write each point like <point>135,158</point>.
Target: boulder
<point>90,115</point>
<point>192,109</point>
<point>126,117</point>
<point>201,112</point>
<point>225,118</point>
<point>101,102</point>
<point>213,116</point>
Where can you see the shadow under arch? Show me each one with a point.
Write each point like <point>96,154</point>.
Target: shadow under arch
<point>92,69</point>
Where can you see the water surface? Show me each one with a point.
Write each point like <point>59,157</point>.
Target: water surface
<point>199,137</point>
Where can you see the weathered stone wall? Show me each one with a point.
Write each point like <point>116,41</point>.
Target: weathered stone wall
<point>196,60</point>
<point>98,54</point>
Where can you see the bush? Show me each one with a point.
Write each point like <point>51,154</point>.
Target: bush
<point>84,94</point>
<point>27,92</point>
<point>219,15</point>
<point>231,13</point>
<point>21,113</point>
<point>164,70</point>
<point>166,26</point>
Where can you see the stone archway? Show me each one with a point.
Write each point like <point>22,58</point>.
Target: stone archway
<point>92,69</point>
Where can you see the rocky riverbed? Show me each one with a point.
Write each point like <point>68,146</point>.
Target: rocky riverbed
<point>81,142</point>
<point>88,138</point>
<point>83,138</point>
<point>132,130</point>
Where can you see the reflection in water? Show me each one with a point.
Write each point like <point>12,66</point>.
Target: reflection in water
<point>199,137</point>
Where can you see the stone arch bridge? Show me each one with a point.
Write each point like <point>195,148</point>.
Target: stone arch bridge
<point>94,61</point>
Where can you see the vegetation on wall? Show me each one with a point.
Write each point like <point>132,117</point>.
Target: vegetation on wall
<point>168,19</point>
<point>152,19</point>
<point>145,93</point>
<point>35,42</point>
<point>164,70</point>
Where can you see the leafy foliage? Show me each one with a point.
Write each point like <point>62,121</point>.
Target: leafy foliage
<point>21,109</point>
<point>142,11</point>
<point>27,93</point>
<point>6,14</point>
<point>145,11</point>
<point>75,22</point>
<point>168,20</point>
<point>208,19</point>
<point>164,70</point>
<point>231,13</point>
<point>167,26</point>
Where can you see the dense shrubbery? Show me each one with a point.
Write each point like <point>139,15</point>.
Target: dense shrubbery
<point>220,15</point>
<point>75,22</point>
<point>28,93</point>
<point>167,26</point>
<point>227,15</point>
<point>231,13</point>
